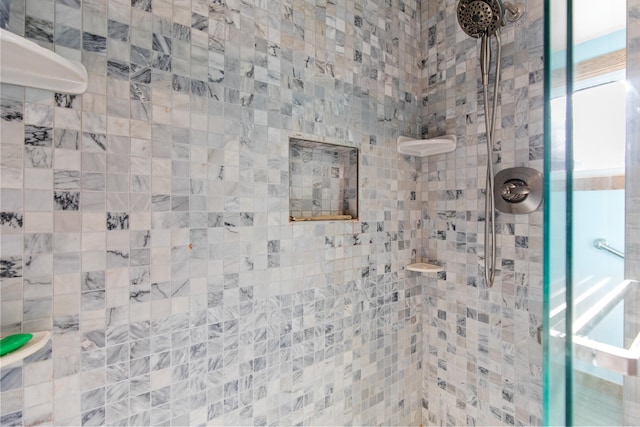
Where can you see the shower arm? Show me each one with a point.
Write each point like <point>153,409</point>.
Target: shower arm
<point>515,10</point>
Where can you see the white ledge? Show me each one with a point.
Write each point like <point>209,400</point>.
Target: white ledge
<point>36,343</point>
<point>426,147</point>
<point>423,267</point>
<point>25,63</point>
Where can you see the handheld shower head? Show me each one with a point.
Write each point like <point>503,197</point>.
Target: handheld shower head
<point>480,18</point>
<point>484,17</point>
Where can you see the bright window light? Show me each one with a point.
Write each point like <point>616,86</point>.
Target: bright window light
<point>598,128</point>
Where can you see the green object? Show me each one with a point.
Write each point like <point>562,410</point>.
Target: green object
<point>13,342</point>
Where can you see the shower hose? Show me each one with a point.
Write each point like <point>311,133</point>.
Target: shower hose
<point>489,206</point>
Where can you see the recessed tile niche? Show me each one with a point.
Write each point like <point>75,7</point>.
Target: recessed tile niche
<point>323,181</point>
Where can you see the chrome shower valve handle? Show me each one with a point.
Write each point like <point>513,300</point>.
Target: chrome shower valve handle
<point>514,190</point>
<point>518,190</point>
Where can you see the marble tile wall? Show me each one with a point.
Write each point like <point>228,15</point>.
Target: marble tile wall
<point>632,187</point>
<point>482,363</point>
<point>631,386</point>
<point>145,223</point>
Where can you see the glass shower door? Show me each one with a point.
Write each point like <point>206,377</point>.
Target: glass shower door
<point>591,331</point>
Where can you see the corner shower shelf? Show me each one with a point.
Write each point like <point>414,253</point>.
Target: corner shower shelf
<point>36,343</point>
<point>426,147</point>
<point>423,267</point>
<point>24,63</point>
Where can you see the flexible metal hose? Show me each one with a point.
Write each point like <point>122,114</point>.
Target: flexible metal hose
<point>489,206</point>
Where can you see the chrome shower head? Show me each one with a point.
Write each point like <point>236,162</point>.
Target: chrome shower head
<point>480,18</point>
<point>484,17</point>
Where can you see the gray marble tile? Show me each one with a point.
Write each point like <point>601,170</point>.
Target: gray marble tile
<point>10,267</point>
<point>118,30</point>
<point>39,136</point>
<point>39,29</point>
<point>96,44</point>
<point>66,200</point>
<point>117,221</point>
<point>67,36</point>
<point>178,154</point>
<point>11,220</point>
<point>94,417</point>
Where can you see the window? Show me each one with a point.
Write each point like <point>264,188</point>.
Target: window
<point>598,128</point>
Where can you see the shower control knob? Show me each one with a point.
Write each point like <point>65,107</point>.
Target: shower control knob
<point>518,190</point>
<point>514,190</point>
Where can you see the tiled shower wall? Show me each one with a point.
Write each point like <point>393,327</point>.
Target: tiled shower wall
<point>482,363</point>
<point>632,189</point>
<point>631,389</point>
<point>145,223</point>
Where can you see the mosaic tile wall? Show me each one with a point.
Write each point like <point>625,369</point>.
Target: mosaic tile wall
<point>482,363</point>
<point>631,389</point>
<point>632,249</point>
<point>145,223</point>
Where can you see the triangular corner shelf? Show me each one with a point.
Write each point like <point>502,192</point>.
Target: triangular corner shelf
<point>25,63</point>
<point>423,267</point>
<point>426,147</point>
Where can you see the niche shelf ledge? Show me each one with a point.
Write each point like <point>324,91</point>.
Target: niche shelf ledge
<point>423,267</point>
<point>36,343</point>
<point>25,63</point>
<point>426,147</point>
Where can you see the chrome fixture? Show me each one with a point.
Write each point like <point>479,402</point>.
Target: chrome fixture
<point>514,190</point>
<point>623,360</point>
<point>482,19</point>
<point>594,303</point>
<point>515,11</point>
<point>518,190</point>
<point>603,244</point>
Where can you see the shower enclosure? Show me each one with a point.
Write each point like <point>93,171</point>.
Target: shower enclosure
<point>591,330</point>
